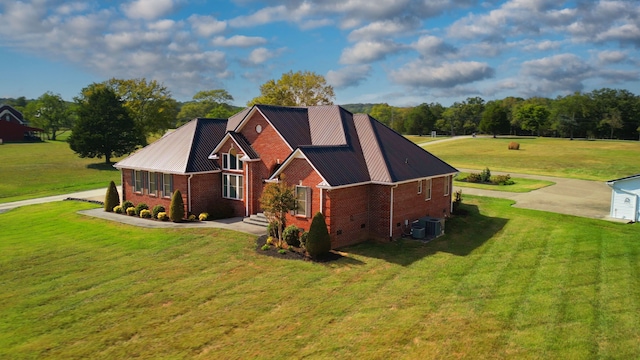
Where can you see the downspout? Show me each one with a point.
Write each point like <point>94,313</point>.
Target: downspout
<point>122,187</point>
<point>321,201</point>
<point>189,191</point>
<point>246,191</point>
<point>391,214</point>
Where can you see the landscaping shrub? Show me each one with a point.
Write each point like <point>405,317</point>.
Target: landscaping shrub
<point>269,240</point>
<point>157,210</point>
<point>473,178</point>
<point>176,212</point>
<point>127,204</point>
<point>272,228</point>
<point>140,207</point>
<point>192,217</point>
<point>502,180</point>
<point>203,216</point>
<point>514,146</point>
<point>318,242</point>
<point>485,175</point>
<point>265,247</point>
<point>291,235</point>
<point>118,209</point>
<point>111,198</point>
<point>162,216</point>
<point>131,211</point>
<point>145,214</point>
<point>303,238</point>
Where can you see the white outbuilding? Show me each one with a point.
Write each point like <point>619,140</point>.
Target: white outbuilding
<point>624,198</point>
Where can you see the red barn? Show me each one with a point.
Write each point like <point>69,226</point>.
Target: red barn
<point>14,128</point>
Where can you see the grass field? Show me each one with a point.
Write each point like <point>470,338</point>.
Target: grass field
<point>33,170</point>
<point>590,160</point>
<point>423,139</point>
<point>503,283</point>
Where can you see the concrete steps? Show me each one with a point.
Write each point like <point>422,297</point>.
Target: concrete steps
<point>257,219</point>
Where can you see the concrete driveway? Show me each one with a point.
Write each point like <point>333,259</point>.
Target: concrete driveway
<point>583,198</point>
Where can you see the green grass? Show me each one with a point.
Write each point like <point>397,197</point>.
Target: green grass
<point>503,283</point>
<point>33,170</point>
<point>580,159</point>
<point>423,139</point>
<point>521,185</point>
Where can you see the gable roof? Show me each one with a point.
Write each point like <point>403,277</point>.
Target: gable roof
<point>241,141</point>
<point>610,182</point>
<point>6,109</point>
<point>185,150</point>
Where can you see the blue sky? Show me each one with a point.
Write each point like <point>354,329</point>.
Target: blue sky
<point>401,52</point>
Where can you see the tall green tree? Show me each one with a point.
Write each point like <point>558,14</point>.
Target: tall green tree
<point>208,103</point>
<point>302,88</point>
<point>494,119</point>
<point>104,127</point>
<point>420,120</point>
<point>50,113</point>
<point>149,103</point>
<point>532,117</point>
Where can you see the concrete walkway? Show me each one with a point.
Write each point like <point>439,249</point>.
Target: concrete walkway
<point>235,224</point>
<point>583,198</point>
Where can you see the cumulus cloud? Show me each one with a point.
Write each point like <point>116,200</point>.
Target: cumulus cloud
<point>384,28</point>
<point>421,74</point>
<point>368,51</point>
<point>611,57</point>
<point>147,9</point>
<point>562,72</point>
<point>348,76</point>
<point>206,25</point>
<point>429,46</point>
<point>238,41</point>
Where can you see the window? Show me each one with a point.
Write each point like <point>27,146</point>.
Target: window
<point>167,185</point>
<point>232,187</point>
<point>427,191</point>
<point>303,201</point>
<point>231,162</point>
<point>153,185</point>
<point>137,181</point>
<point>419,186</point>
<point>447,184</point>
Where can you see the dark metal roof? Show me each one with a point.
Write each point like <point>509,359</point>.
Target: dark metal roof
<point>291,122</point>
<point>404,159</point>
<point>182,151</point>
<point>338,165</point>
<point>17,114</point>
<point>244,144</point>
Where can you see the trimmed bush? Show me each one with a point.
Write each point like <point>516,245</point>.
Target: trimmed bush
<point>203,216</point>
<point>303,238</point>
<point>157,210</point>
<point>111,198</point>
<point>485,175</point>
<point>131,211</point>
<point>473,178</point>
<point>192,217</point>
<point>502,180</point>
<point>291,235</point>
<point>176,210</point>
<point>118,209</point>
<point>127,204</point>
<point>318,241</point>
<point>162,216</point>
<point>145,214</point>
<point>514,146</point>
<point>140,207</point>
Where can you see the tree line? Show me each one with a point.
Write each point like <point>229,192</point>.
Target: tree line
<point>115,117</point>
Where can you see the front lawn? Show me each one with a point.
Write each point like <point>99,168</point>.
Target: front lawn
<point>502,283</point>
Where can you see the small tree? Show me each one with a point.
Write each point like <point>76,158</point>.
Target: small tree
<point>277,199</point>
<point>318,242</point>
<point>112,198</point>
<point>176,210</point>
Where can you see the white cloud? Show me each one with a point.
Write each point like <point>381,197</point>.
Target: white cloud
<point>611,57</point>
<point>384,28</point>
<point>206,25</point>
<point>147,9</point>
<point>348,76</point>
<point>368,51</point>
<point>421,74</point>
<point>261,55</point>
<point>432,46</point>
<point>238,41</point>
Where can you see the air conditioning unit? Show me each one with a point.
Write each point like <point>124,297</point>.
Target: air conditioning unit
<point>434,227</point>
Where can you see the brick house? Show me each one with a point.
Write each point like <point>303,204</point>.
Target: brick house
<point>13,127</point>
<point>368,180</point>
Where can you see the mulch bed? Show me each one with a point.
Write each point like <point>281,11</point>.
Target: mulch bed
<point>293,253</point>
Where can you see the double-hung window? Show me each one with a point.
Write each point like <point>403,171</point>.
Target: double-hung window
<point>138,181</point>
<point>232,187</point>
<point>303,201</point>
<point>420,186</point>
<point>167,185</point>
<point>447,185</point>
<point>231,162</point>
<point>153,185</point>
<point>427,191</point>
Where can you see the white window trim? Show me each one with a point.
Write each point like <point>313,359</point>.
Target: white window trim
<point>226,157</point>
<point>427,193</point>
<point>164,193</point>
<point>154,176</point>
<point>419,186</point>
<point>138,175</point>
<point>239,178</point>
<point>307,201</point>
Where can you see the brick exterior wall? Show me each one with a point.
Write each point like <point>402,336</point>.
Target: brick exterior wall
<point>299,172</point>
